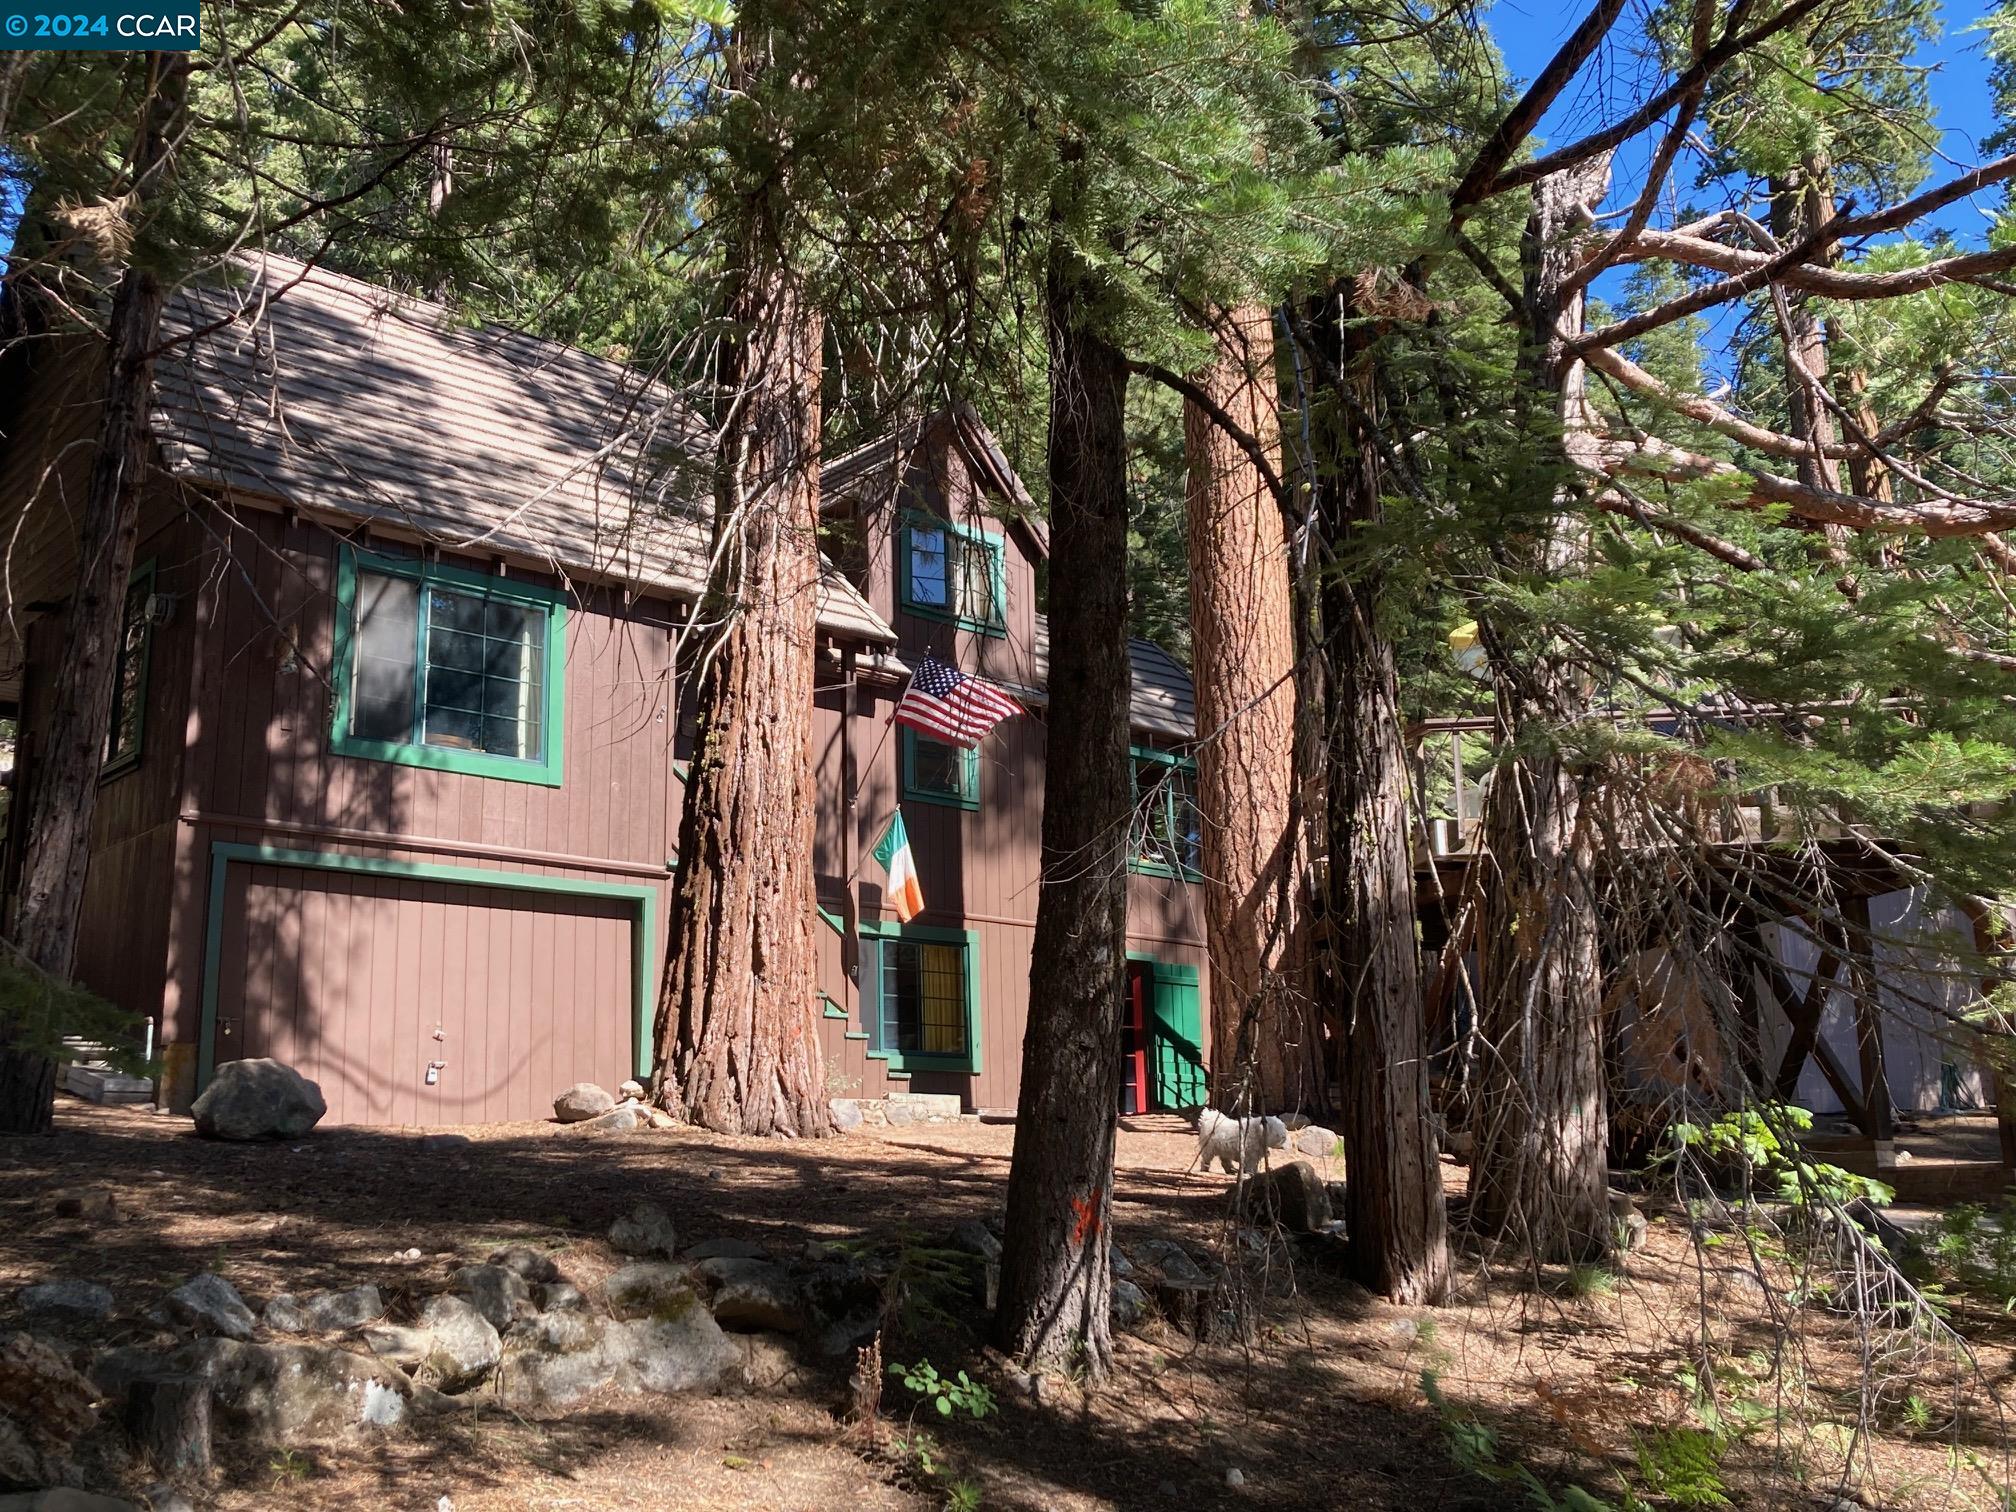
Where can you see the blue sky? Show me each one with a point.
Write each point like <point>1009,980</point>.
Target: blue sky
<point>1530,31</point>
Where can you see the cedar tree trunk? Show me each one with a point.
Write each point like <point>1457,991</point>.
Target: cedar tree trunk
<point>737,1033</point>
<point>1265,1050</point>
<point>64,792</point>
<point>1394,1210</point>
<point>1055,1277</point>
<point>1540,1175</point>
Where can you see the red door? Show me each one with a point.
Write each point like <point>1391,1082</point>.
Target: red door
<point>1134,1040</point>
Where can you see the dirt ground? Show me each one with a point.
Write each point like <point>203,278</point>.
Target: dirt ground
<point>1567,1376</point>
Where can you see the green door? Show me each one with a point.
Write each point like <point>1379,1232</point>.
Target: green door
<point>1176,1037</point>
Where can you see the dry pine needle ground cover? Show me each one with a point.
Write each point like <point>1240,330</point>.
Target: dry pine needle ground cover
<point>1569,1376</point>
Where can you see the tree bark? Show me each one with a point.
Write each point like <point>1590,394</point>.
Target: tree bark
<point>1055,1275</point>
<point>1394,1211</point>
<point>168,1419</point>
<point>1265,1049</point>
<point>64,793</point>
<point>1540,1174</point>
<point>737,1030</point>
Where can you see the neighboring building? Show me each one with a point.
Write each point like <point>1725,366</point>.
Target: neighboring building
<point>393,783</point>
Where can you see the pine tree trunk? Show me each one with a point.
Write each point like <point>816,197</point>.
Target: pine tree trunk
<point>64,793</point>
<point>1265,1049</point>
<point>737,1031</point>
<point>1055,1276</point>
<point>1394,1211</point>
<point>1540,1173</point>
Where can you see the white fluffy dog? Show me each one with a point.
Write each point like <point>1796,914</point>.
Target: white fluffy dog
<point>1237,1144</point>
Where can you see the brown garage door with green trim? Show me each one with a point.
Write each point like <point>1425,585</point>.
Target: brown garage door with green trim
<point>362,982</point>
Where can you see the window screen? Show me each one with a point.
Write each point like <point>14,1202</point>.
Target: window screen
<point>478,685</point>
<point>953,572</point>
<point>129,677</point>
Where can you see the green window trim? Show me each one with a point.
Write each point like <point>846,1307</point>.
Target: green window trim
<point>832,1009</point>
<point>968,796</point>
<point>117,763</point>
<point>547,769</point>
<point>1135,861</point>
<point>899,1063</point>
<point>643,931</point>
<point>996,547</point>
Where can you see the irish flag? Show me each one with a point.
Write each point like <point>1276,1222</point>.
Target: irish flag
<point>903,892</point>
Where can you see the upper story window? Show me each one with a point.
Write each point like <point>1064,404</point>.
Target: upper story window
<point>935,772</point>
<point>953,572</point>
<point>450,669</point>
<point>129,676</point>
<point>1168,832</point>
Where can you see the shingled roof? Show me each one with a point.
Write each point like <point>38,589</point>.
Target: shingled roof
<point>353,403</point>
<point>1161,697</point>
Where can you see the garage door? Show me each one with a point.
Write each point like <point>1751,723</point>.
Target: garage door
<point>366,983</point>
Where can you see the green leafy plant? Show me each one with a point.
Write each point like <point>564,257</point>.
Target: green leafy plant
<point>1976,1248</point>
<point>1684,1466</point>
<point>1764,1141</point>
<point>950,1394</point>
<point>962,1496</point>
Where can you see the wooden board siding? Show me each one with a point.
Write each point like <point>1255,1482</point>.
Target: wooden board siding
<point>358,982</point>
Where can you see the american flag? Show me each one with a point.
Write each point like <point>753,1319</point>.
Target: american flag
<point>947,705</point>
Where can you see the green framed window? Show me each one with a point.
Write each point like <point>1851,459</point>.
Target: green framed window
<point>920,996</point>
<point>1167,838</point>
<point>935,772</point>
<point>450,669</point>
<point>129,676</point>
<point>954,573</point>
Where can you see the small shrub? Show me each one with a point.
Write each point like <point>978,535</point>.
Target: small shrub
<point>1684,1465</point>
<point>950,1394</point>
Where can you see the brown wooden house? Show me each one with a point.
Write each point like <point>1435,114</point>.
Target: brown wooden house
<point>393,781</point>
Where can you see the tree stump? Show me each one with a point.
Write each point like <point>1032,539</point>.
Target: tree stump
<point>1209,1311</point>
<point>168,1417</point>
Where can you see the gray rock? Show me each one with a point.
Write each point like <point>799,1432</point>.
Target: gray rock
<point>440,1144</point>
<point>899,1114</point>
<point>1129,1302</point>
<point>754,1294</point>
<point>65,1302</point>
<point>650,1288</point>
<point>1170,1259</point>
<point>162,1497</point>
<point>975,1238</point>
<point>632,1091</point>
<point>324,1311</point>
<point>20,1461</point>
<point>733,1249</point>
<point>765,1363</point>
<point>1292,1195</point>
<point>562,1358</point>
<point>63,1499</point>
<point>463,1347</point>
<point>290,1392</point>
<point>397,1343</point>
<point>1335,1190</point>
<point>559,1296</point>
<point>502,1296</point>
<point>1316,1140</point>
<point>210,1302</point>
<point>846,1113</point>
<point>624,1118</point>
<point>339,1310</point>
<point>1121,1265</point>
<point>645,1230</point>
<point>258,1099</point>
<point>580,1102</point>
<point>524,1261</point>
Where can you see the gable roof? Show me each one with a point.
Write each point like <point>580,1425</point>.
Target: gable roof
<point>1161,698</point>
<point>353,403</point>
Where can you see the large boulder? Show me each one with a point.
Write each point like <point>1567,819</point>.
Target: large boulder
<point>582,1101</point>
<point>649,1289</point>
<point>61,1302</point>
<point>753,1294</point>
<point>284,1393</point>
<point>324,1311</point>
<point>40,1391</point>
<point>624,1118</point>
<point>645,1230</point>
<point>465,1347</point>
<point>1292,1195</point>
<point>502,1296</point>
<point>562,1357</point>
<point>258,1099</point>
<point>211,1303</point>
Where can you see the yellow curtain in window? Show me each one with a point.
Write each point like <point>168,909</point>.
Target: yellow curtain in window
<point>944,994</point>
